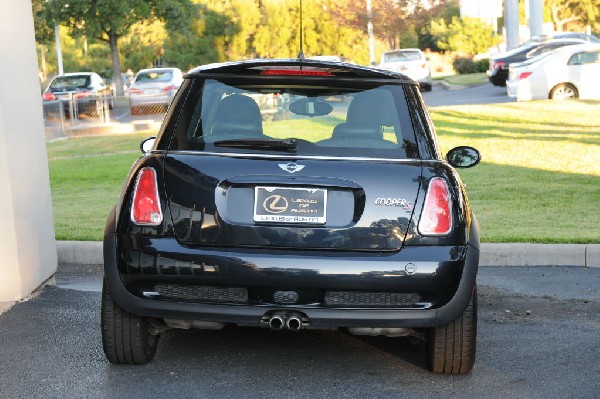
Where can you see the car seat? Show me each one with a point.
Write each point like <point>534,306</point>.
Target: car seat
<point>237,115</point>
<point>368,114</point>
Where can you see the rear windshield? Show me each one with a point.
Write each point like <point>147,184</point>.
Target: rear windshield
<point>401,56</point>
<point>74,81</point>
<point>154,76</point>
<point>357,120</point>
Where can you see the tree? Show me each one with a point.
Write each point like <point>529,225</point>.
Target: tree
<point>143,45</point>
<point>434,11</point>
<point>202,42</point>
<point>567,13</point>
<point>392,19</point>
<point>109,20</point>
<point>465,35</point>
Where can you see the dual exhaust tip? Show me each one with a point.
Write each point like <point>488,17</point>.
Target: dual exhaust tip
<point>280,321</point>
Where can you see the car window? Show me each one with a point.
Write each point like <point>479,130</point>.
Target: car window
<point>75,81</point>
<point>585,57</point>
<point>402,56</point>
<point>154,76</point>
<point>330,120</point>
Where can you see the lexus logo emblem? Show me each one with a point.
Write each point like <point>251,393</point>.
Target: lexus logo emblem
<point>275,204</point>
<point>291,167</point>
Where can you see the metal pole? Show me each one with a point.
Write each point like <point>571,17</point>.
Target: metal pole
<point>536,17</point>
<point>58,50</point>
<point>370,33</point>
<point>511,23</point>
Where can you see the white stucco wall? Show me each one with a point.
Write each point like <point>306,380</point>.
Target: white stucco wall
<point>27,246</point>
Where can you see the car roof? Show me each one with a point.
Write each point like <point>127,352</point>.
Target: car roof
<point>578,47</point>
<point>77,74</point>
<point>158,69</point>
<point>557,52</point>
<point>255,66</point>
<point>402,49</point>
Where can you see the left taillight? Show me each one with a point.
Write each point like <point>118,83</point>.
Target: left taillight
<point>436,217</point>
<point>524,75</point>
<point>146,209</point>
<point>48,96</point>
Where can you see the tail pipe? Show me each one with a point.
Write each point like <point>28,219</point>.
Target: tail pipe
<point>277,322</point>
<point>294,323</point>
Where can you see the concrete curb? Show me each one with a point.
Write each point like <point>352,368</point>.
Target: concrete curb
<point>514,254</point>
<point>449,86</point>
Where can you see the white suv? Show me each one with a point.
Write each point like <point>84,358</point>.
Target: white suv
<point>411,62</point>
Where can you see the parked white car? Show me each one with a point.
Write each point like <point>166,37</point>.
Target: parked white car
<point>411,62</point>
<point>567,73</point>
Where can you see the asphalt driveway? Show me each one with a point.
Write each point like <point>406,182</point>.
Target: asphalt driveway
<point>538,338</point>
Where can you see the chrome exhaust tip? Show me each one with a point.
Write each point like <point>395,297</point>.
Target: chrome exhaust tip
<point>294,323</point>
<point>276,322</point>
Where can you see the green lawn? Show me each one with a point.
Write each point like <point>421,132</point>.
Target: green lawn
<point>468,79</point>
<point>539,180</point>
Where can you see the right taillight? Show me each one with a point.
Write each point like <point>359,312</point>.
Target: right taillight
<point>145,209</point>
<point>436,217</point>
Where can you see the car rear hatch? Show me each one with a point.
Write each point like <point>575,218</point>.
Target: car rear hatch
<point>308,204</point>
<point>333,165</point>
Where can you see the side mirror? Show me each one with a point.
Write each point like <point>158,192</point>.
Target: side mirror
<point>463,157</point>
<point>147,145</point>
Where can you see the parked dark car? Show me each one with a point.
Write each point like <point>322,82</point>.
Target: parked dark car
<point>498,71</point>
<point>78,92</point>
<point>338,212</point>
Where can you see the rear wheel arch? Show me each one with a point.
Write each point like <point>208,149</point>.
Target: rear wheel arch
<point>563,91</point>
<point>451,348</point>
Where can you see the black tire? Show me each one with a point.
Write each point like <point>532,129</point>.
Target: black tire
<point>451,348</point>
<point>126,338</point>
<point>563,91</point>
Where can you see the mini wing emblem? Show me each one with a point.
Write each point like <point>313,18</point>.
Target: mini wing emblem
<point>291,167</point>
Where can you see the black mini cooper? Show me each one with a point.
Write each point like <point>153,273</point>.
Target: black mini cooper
<point>294,194</point>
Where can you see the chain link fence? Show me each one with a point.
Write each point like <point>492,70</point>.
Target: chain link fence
<point>71,115</point>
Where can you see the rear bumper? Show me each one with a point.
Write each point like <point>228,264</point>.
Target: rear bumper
<point>498,77</point>
<point>154,99</point>
<point>454,274</point>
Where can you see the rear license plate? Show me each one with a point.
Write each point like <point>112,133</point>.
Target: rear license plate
<point>290,205</point>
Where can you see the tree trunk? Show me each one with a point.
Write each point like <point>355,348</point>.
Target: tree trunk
<point>116,64</point>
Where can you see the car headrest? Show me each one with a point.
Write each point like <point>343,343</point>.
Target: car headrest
<point>373,107</point>
<point>238,111</point>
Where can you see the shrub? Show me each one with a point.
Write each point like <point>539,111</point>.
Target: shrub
<point>464,65</point>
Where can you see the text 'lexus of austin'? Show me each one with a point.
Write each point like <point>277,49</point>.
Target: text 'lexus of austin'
<point>294,194</point>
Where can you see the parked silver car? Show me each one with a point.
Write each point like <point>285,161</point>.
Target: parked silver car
<point>154,89</point>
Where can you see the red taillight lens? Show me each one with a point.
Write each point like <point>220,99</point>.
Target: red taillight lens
<point>135,91</point>
<point>48,96</point>
<point>295,72</point>
<point>83,93</point>
<point>498,65</point>
<point>524,75</point>
<point>168,88</point>
<point>436,217</point>
<point>146,203</point>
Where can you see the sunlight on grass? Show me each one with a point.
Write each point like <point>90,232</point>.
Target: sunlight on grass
<point>539,180</point>
<point>545,135</point>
